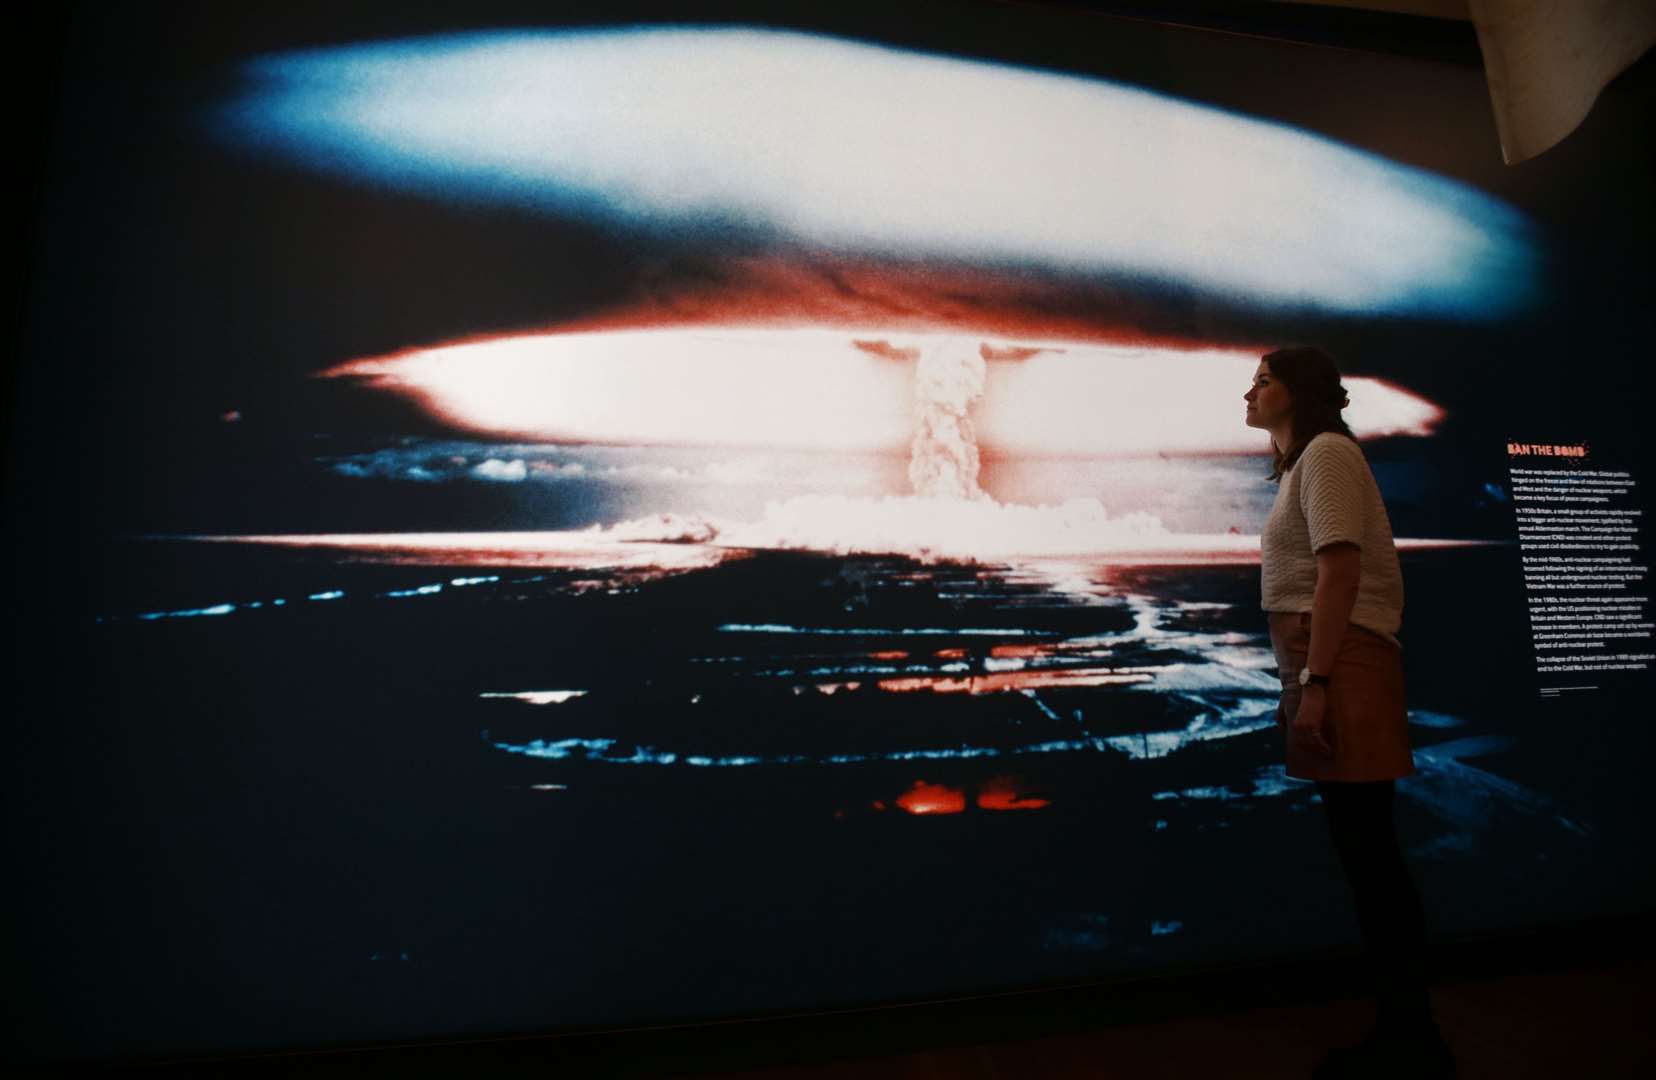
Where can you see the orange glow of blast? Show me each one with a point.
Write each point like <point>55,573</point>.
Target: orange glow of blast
<point>1006,652</point>
<point>924,798</point>
<point>1002,793</point>
<point>1002,681</point>
<point>826,390</point>
<point>938,684</point>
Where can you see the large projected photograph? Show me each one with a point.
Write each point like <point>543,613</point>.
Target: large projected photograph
<point>605,523</point>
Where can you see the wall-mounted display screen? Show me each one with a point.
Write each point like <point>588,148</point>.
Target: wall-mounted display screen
<point>635,520</point>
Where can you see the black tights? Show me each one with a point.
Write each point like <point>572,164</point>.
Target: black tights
<point>1388,904</point>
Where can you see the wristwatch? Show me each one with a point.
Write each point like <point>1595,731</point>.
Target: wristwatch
<point>1308,679</point>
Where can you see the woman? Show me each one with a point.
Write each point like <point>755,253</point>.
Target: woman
<point>1333,590</point>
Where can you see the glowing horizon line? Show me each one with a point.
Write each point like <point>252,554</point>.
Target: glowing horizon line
<point>586,548</point>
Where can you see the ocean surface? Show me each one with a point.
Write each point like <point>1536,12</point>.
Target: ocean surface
<point>298,800</point>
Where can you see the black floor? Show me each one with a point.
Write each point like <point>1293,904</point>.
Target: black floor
<point>1565,1002</point>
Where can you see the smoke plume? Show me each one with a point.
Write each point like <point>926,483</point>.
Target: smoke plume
<point>943,458</point>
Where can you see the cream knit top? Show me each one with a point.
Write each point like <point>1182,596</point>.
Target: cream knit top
<point>1330,496</point>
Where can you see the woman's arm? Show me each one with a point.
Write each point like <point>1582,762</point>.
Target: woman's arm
<point>1332,485</point>
<point>1339,569</point>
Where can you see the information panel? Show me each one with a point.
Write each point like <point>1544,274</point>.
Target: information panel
<point>1585,572</point>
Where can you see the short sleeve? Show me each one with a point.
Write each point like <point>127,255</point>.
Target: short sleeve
<point>1333,488</point>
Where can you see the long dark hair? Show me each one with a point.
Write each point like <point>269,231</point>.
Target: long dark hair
<point>1313,382</point>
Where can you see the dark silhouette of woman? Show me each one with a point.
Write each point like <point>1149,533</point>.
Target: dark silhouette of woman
<point>1333,591</point>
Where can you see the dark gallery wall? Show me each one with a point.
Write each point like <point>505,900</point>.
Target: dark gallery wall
<point>359,699</point>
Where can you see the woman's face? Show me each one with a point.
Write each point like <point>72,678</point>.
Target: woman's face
<point>1270,406</point>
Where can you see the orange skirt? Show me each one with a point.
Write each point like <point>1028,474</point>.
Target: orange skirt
<point>1367,721</point>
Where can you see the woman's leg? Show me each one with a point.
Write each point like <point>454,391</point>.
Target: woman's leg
<point>1361,824</point>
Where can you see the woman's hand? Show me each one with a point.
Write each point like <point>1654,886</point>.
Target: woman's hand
<point>1307,729</point>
